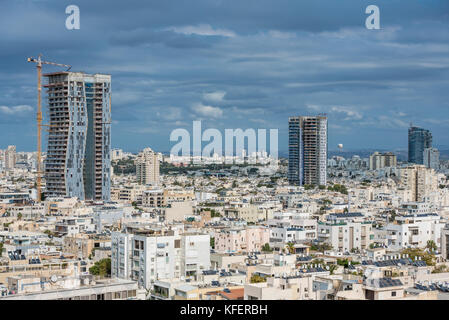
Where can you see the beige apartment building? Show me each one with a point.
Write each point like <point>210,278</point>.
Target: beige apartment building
<point>382,160</point>
<point>421,181</point>
<point>147,167</point>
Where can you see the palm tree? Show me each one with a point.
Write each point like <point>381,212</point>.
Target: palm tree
<point>291,247</point>
<point>332,268</point>
<point>431,245</point>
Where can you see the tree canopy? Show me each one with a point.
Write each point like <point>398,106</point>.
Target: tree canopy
<point>101,268</point>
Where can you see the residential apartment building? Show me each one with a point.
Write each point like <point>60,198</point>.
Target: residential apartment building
<point>149,255</point>
<point>147,167</point>
<point>414,231</point>
<point>421,181</point>
<point>154,198</point>
<point>346,236</point>
<point>78,162</point>
<point>243,211</point>
<point>127,193</point>
<point>445,242</point>
<point>382,160</point>
<point>307,155</point>
<point>249,239</point>
<point>292,227</point>
<point>10,158</point>
<point>294,287</point>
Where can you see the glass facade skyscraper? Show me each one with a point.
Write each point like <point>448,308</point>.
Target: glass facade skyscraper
<point>418,140</point>
<point>78,162</point>
<point>307,150</point>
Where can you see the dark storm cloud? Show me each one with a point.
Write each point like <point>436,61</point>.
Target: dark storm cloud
<point>252,62</point>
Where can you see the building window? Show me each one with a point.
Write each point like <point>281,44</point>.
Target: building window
<point>393,293</point>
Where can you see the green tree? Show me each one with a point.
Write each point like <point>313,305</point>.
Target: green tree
<point>101,268</point>
<point>212,243</point>
<point>266,248</point>
<point>431,245</point>
<point>321,247</point>
<point>440,269</point>
<point>332,268</point>
<point>416,252</point>
<point>257,279</point>
<point>291,247</point>
<point>1,248</point>
<point>19,216</point>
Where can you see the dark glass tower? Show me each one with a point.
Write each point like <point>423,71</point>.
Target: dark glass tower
<point>418,140</point>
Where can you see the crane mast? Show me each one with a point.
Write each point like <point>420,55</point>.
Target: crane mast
<point>39,63</point>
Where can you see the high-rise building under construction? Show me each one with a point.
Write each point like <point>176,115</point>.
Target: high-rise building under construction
<point>78,162</point>
<point>307,150</point>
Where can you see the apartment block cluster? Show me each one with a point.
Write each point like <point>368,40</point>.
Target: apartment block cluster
<point>117,225</point>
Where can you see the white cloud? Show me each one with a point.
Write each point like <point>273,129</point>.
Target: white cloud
<point>281,34</point>
<point>170,113</point>
<point>202,30</point>
<point>207,111</point>
<point>15,110</point>
<point>216,96</point>
<point>350,113</point>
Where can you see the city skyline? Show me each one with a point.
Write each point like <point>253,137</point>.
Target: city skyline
<point>218,68</point>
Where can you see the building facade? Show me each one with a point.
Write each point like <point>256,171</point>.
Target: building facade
<point>149,256</point>
<point>418,140</point>
<point>78,162</point>
<point>431,158</point>
<point>382,160</point>
<point>421,181</point>
<point>307,160</point>
<point>250,239</point>
<point>10,158</point>
<point>147,167</point>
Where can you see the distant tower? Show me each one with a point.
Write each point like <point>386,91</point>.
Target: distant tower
<point>307,159</point>
<point>418,140</point>
<point>431,158</point>
<point>78,162</point>
<point>10,158</point>
<point>147,167</point>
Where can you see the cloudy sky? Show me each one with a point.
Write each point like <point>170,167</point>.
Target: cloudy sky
<point>237,64</point>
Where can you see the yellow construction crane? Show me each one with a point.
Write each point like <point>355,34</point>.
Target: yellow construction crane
<point>39,62</point>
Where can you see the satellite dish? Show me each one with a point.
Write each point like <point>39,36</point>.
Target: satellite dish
<point>53,278</point>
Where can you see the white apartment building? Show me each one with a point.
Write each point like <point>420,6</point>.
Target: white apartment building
<point>74,225</point>
<point>282,288</point>
<point>292,227</point>
<point>346,236</point>
<point>414,231</point>
<point>445,242</point>
<point>149,255</point>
